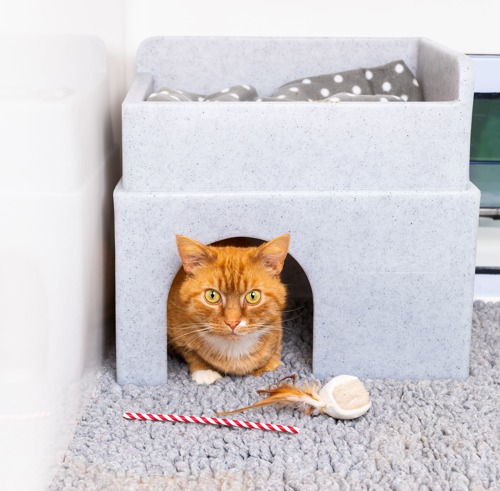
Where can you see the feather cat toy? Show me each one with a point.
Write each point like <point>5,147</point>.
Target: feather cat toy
<point>344,397</point>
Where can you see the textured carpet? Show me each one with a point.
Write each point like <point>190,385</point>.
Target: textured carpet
<point>439,435</point>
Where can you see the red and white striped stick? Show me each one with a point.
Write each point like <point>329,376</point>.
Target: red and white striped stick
<point>210,421</point>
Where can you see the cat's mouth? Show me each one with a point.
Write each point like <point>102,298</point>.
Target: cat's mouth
<point>233,336</point>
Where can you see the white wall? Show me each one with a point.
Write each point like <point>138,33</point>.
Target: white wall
<point>470,26</point>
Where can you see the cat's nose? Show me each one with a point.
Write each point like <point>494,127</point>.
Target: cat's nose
<point>233,324</point>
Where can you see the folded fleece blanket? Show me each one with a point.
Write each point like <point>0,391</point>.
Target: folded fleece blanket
<point>387,83</point>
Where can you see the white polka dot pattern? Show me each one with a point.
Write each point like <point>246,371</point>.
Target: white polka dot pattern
<point>386,83</point>
<point>386,86</point>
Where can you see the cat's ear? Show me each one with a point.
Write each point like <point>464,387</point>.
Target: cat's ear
<point>273,253</point>
<point>192,253</point>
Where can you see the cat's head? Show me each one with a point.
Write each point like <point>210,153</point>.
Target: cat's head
<point>233,291</point>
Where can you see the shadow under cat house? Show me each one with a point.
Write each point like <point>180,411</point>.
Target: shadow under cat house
<point>376,198</point>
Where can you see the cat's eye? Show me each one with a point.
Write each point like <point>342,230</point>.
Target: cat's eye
<point>253,297</point>
<point>212,296</point>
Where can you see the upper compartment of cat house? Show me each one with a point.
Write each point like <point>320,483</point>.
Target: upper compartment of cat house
<point>192,146</point>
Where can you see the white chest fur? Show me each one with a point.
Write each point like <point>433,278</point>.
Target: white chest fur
<point>235,348</point>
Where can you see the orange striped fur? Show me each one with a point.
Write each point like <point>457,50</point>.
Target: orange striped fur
<point>201,332</point>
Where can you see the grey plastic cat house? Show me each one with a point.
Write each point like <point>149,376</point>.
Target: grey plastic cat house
<point>376,197</point>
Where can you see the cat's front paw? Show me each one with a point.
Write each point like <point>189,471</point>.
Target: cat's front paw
<point>205,377</point>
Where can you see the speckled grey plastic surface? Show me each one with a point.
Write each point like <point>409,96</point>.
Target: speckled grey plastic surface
<point>286,146</point>
<point>376,197</point>
<point>391,273</point>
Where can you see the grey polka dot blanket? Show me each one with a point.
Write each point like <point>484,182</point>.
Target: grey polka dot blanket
<point>392,82</point>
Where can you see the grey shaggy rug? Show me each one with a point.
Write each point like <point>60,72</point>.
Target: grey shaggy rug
<point>439,435</point>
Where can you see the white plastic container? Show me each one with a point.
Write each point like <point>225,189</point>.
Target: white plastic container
<point>56,178</point>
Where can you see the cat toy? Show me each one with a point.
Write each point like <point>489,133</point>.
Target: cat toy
<point>344,397</point>
<point>211,421</point>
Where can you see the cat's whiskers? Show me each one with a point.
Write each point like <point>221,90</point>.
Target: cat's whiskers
<point>191,332</point>
<point>293,318</point>
<point>192,324</point>
<point>293,310</point>
<point>269,330</point>
<point>278,328</point>
<point>180,307</point>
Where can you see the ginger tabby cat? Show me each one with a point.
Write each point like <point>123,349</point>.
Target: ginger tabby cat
<point>224,309</point>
